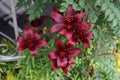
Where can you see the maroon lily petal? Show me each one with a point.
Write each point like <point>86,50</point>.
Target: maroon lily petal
<point>72,42</point>
<point>54,67</point>
<point>71,60</point>
<point>63,32</point>
<point>74,52</point>
<point>78,17</point>
<point>21,47</point>
<point>69,10</point>
<point>42,43</point>
<point>37,35</point>
<point>43,19</point>
<point>28,32</point>
<point>65,69</point>
<point>27,20</point>
<point>86,25</point>
<point>33,52</point>
<point>35,28</point>
<point>61,62</point>
<point>69,35</point>
<point>54,61</point>
<point>86,42</point>
<point>57,27</point>
<point>59,44</point>
<point>52,55</point>
<point>57,17</point>
<point>90,35</point>
<point>19,39</point>
<point>82,27</point>
<point>66,33</point>
<point>57,11</point>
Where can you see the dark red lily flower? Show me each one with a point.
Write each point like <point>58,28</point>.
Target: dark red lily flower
<point>66,23</point>
<point>30,40</point>
<point>83,34</point>
<point>63,56</point>
<point>37,22</point>
<point>72,26</point>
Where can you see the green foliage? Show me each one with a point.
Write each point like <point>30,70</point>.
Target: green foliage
<point>35,11</point>
<point>111,14</point>
<point>24,3</point>
<point>65,4</point>
<point>36,7</point>
<point>106,70</point>
<point>9,49</point>
<point>105,24</point>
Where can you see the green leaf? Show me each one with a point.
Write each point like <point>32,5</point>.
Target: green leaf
<point>29,2</point>
<point>104,7</point>
<point>31,17</point>
<point>111,17</point>
<point>44,1</point>
<point>37,14</point>
<point>64,5</point>
<point>69,1</point>
<point>115,22</point>
<point>75,6</point>
<point>19,4</point>
<point>24,3</point>
<point>82,3</point>
<point>107,13</point>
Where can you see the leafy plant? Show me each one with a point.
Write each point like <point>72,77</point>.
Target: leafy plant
<point>97,62</point>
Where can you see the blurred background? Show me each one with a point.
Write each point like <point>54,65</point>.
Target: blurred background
<point>6,22</point>
<point>7,33</point>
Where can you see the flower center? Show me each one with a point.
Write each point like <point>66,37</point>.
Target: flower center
<point>69,23</point>
<point>62,53</point>
<point>69,20</point>
<point>30,43</point>
<point>77,34</point>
